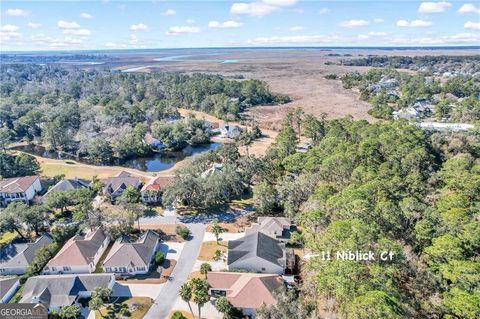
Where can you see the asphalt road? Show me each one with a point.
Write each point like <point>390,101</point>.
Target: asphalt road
<point>169,292</point>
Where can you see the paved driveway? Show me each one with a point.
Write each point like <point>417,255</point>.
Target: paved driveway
<point>169,292</point>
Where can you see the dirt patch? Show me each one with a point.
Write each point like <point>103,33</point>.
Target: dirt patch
<point>208,248</point>
<point>238,226</point>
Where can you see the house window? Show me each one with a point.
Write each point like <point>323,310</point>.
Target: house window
<point>67,268</point>
<point>263,269</point>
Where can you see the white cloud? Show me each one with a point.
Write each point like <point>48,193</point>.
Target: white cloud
<point>376,34</point>
<point>9,32</point>
<point>85,15</point>
<point>133,39</point>
<point>324,10</point>
<point>139,27</point>
<point>378,20</point>
<point>43,40</point>
<point>224,25</point>
<point>17,12</point>
<point>190,21</point>
<point>472,25</point>
<point>257,9</point>
<point>297,39</point>
<point>468,8</point>
<point>175,30</point>
<point>297,28</point>
<point>110,45</point>
<point>414,23</point>
<point>32,25</point>
<point>354,23</point>
<point>67,25</point>
<point>280,3</point>
<point>460,38</point>
<point>9,28</point>
<point>80,32</point>
<point>169,12</point>
<point>434,7</point>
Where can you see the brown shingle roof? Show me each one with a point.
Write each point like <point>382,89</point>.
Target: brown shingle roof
<point>246,290</point>
<point>157,183</point>
<point>17,184</point>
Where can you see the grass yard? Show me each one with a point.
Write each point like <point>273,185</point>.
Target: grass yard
<point>153,277</point>
<point>196,274</point>
<point>208,248</point>
<point>138,307</point>
<point>7,237</point>
<point>186,314</point>
<point>166,231</point>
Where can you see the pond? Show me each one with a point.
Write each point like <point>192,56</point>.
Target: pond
<point>155,163</point>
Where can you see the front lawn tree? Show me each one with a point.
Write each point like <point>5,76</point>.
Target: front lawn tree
<point>69,312</point>
<point>216,229</point>
<point>200,294</point>
<point>186,293</point>
<point>205,268</point>
<point>224,306</point>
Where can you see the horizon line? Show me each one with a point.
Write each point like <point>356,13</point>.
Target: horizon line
<point>448,47</point>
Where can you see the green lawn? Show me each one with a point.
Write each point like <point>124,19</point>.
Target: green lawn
<point>137,305</point>
<point>99,268</point>
<point>6,238</point>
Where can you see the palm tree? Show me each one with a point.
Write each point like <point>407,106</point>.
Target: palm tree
<point>186,293</point>
<point>99,296</point>
<point>205,268</point>
<point>216,229</point>
<point>200,294</point>
<point>96,304</point>
<point>69,312</point>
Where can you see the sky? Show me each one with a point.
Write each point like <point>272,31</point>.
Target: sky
<point>109,24</point>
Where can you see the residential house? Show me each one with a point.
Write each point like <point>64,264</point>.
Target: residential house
<point>8,288</point>
<point>212,128</point>
<point>115,186</point>
<point>132,258</point>
<point>257,252</point>
<point>230,131</point>
<point>216,167</point>
<point>155,143</point>
<point>406,113</point>
<point>279,228</point>
<point>79,255</point>
<point>152,191</point>
<point>16,257</point>
<point>66,185</point>
<point>245,291</point>
<point>19,189</point>
<point>63,290</point>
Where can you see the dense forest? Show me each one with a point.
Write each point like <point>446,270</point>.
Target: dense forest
<point>105,114</point>
<point>378,187</point>
<point>456,99</point>
<point>428,64</point>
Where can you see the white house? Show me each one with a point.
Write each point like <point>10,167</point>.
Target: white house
<point>152,191</point>
<point>79,255</point>
<point>19,189</point>
<point>115,186</point>
<point>8,288</point>
<point>17,257</point>
<point>132,258</point>
<point>230,131</point>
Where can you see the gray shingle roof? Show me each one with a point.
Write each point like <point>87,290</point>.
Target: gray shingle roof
<point>62,290</point>
<point>138,254</point>
<point>67,185</point>
<point>258,245</point>
<point>6,283</point>
<point>22,254</point>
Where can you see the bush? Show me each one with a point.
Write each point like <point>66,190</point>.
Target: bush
<point>182,231</point>
<point>178,315</point>
<point>159,258</point>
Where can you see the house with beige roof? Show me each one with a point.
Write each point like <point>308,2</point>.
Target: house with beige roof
<point>132,258</point>
<point>19,189</point>
<point>152,191</point>
<point>63,290</point>
<point>16,257</point>
<point>279,228</point>
<point>245,291</point>
<point>79,255</point>
<point>8,288</point>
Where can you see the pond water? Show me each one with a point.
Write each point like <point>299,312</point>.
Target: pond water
<point>154,163</point>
